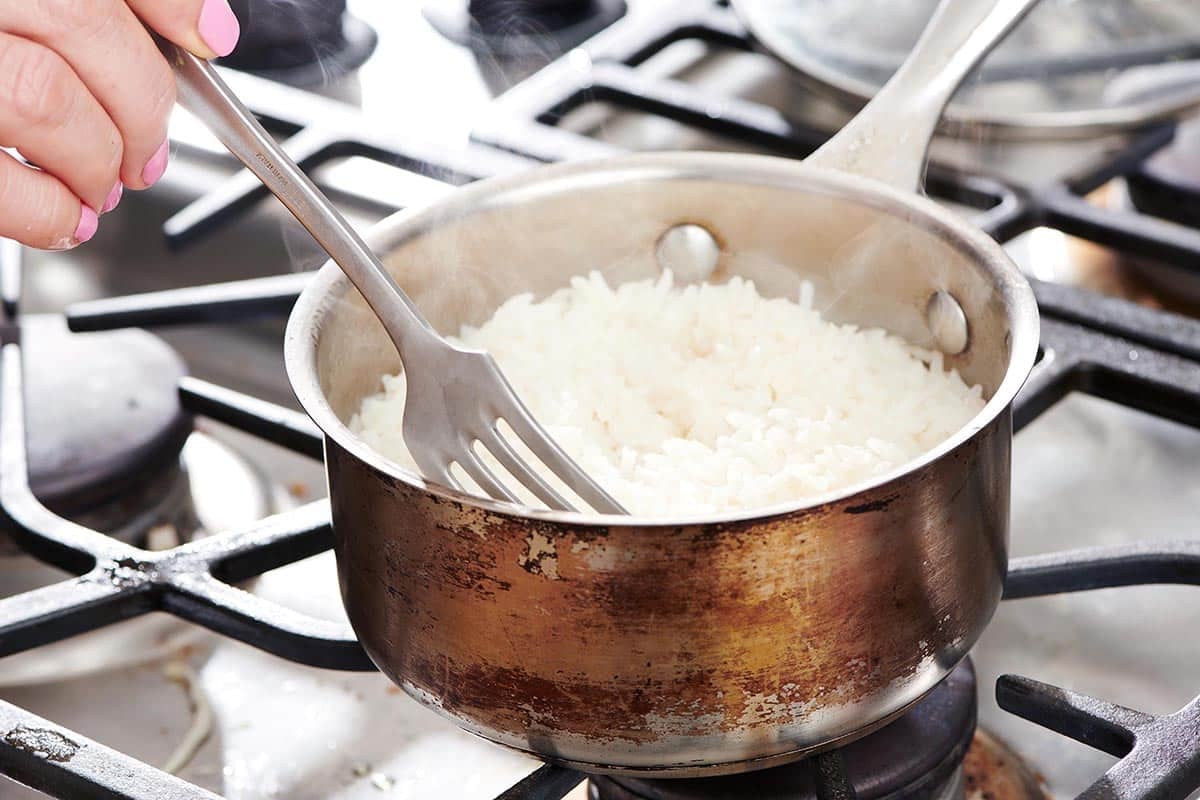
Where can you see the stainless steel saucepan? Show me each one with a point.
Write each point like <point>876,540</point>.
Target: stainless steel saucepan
<point>1072,70</point>
<point>698,645</point>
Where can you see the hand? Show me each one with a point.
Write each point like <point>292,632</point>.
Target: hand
<point>85,95</point>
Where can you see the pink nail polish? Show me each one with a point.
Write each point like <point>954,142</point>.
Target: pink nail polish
<point>113,198</point>
<point>89,220</point>
<point>156,166</point>
<point>219,27</point>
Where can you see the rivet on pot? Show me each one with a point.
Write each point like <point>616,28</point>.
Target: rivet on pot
<point>689,251</point>
<point>947,323</point>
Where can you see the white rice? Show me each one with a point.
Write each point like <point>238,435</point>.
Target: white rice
<point>706,398</point>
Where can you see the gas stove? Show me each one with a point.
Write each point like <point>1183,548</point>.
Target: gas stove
<point>199,495</point>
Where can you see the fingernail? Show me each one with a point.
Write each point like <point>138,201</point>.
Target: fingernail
<point>113,198</point>
<point>219,27</point>
<point>156,166</point>
<point>89,220</point>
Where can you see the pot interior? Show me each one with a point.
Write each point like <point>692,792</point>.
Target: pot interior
<point>874,257</point>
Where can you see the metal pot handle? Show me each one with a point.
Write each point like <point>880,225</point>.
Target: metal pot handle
<point>889,138</point>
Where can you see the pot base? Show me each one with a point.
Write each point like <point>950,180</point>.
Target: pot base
<point>919,755</point>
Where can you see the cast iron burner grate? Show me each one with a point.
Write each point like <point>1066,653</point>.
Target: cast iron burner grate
<point>1109,348</point>
<point>315,130</point>
<point>1142,359</point>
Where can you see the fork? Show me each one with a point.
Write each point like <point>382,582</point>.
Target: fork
<point>455,397</point>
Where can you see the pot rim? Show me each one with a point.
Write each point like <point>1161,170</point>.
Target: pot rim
<point>310,310</point>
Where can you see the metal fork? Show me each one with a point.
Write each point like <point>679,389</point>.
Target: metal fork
<point>455,397</point>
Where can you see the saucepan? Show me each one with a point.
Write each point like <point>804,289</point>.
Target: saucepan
<point>1070,71</point>
<point>694,645</point>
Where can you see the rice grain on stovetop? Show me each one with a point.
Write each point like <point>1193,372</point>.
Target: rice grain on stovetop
<point>706,398</point>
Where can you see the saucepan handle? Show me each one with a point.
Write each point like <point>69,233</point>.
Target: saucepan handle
<point>889,138</point>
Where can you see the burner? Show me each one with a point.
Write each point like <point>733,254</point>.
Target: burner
<point>917,757</point>
<point>106,448</point>
<point>1167,184</point>
<point>104,420</point>
<point>302,43</point>
<point>216,489</point>
<point>523,28</point>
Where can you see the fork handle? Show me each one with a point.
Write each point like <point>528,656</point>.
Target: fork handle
<point>204,93</point>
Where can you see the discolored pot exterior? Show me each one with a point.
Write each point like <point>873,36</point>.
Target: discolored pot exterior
<point>691,646</point>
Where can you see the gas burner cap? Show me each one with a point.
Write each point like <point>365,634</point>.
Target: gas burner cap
<point>522,28</point>
<point>913,757</point>
<point>102,410</point>
<point>1167,184</point>
<point>303,43</point>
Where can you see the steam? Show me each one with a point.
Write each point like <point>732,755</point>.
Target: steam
<point>304,254</point>
<point>292,9</point>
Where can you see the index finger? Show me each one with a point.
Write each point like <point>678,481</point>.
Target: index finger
<point>208,28</point>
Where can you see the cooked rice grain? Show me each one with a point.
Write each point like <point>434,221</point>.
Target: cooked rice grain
<point>706,398</point>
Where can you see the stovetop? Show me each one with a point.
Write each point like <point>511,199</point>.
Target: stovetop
<point>1105,477</point>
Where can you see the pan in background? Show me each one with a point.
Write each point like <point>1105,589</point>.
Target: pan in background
<point>1057,74</point>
